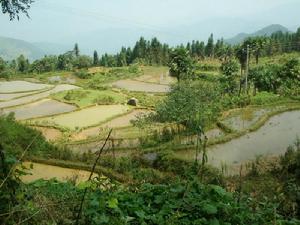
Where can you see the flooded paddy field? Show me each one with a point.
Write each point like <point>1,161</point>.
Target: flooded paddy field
<point>10,96</point>
<point>156,75</point>
<point>35,97</point>
<point>94,146</point>
<point>210,134</point>
<point>273,138</point>
<point>244,118</point>
<point>119,122</point>
<point>45,107</point>
<point>85,117</point>
<point>133,85</point>
<point>21,86</point>
<point>47,172</point>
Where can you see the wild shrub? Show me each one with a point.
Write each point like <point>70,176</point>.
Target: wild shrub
<point>82,74</point>
<point>104,100</point>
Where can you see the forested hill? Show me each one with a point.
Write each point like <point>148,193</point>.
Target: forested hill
<point>266,31</point>
<point>12,48</point>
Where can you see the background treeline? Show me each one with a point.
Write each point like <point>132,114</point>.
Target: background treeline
<point>153,52</point>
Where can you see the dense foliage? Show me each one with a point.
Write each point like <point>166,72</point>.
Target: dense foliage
<point>283,79</point>
<point>181,65</point>
<point>15,138</point>
<point>15,7</point>
<point>191,104</point>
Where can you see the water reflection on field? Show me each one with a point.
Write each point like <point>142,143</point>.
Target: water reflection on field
<point>271,139</point>
<point>47,172</point>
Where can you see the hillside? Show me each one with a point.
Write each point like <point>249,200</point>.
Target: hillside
<point>11,48</point>
<point>52,48</point>
<point>266,31</point>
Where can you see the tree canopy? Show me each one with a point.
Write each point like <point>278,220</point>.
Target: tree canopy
<point>14,7</point>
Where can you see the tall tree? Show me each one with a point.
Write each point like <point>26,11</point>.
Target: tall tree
<point>181,65</point>
<point>95,58</point>
<point>23,64</point>
<point>76,50</point>
<point>209,48</point>
<point>2,65</point>
<point>229,71</point>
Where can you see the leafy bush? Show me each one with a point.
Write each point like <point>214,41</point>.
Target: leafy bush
<point>104,100</point>
<point>75,94</point>
<point>134,68</point>
<point>229,102</point>
<point>192,104</point>
<point>16,137</point>
<point>82,74</point>
<point>177,203</point>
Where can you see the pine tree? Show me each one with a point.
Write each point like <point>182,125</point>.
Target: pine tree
<point>122,60</point>
<point>297,40</point>
<point>129,55</point>
<point>200,49</point>
<point>209,48</point>
<point>96,58</point>
<point>76,50</point>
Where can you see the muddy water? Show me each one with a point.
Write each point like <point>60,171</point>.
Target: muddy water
<point>32,98</point>
<point>271,139</point>
<point>86,117</point>
<point>20,86</point>
<point>45,107</point>
<point>10,96</point>
<point>132,85</point>
<point>47,172</point>
<point>122,121</point>
<point>238,123</point>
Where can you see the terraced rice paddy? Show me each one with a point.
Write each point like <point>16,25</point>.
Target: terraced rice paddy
<point>119,122</point>
<point>10,96</point>
<point>133,85</point>
<point>85,117</point>
<point>244,118</point>
<point>45,107</point>
<point>47,172</point>
<point>51,134</point>
<point>21,86</point>
<point>271,139</point>
<point>159,75</point>
<point>35,97</point>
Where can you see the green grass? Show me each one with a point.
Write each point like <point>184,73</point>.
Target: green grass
<point>264,98</point>
<point>84,98</point>
<point>102,80</point>
<point>145,99</point>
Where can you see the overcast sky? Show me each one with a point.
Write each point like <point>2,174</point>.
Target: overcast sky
<point>53,20</point>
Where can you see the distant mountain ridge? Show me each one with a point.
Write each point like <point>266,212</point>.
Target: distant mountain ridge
<point>266,31</point>
<point>11,48</point>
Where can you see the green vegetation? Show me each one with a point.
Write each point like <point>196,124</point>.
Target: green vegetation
<point>148,180</point>
<point>167,200</point>
<point>101,80</point>
<point>15,139</point>
<point>191,104</point>
<point>85,97</point>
